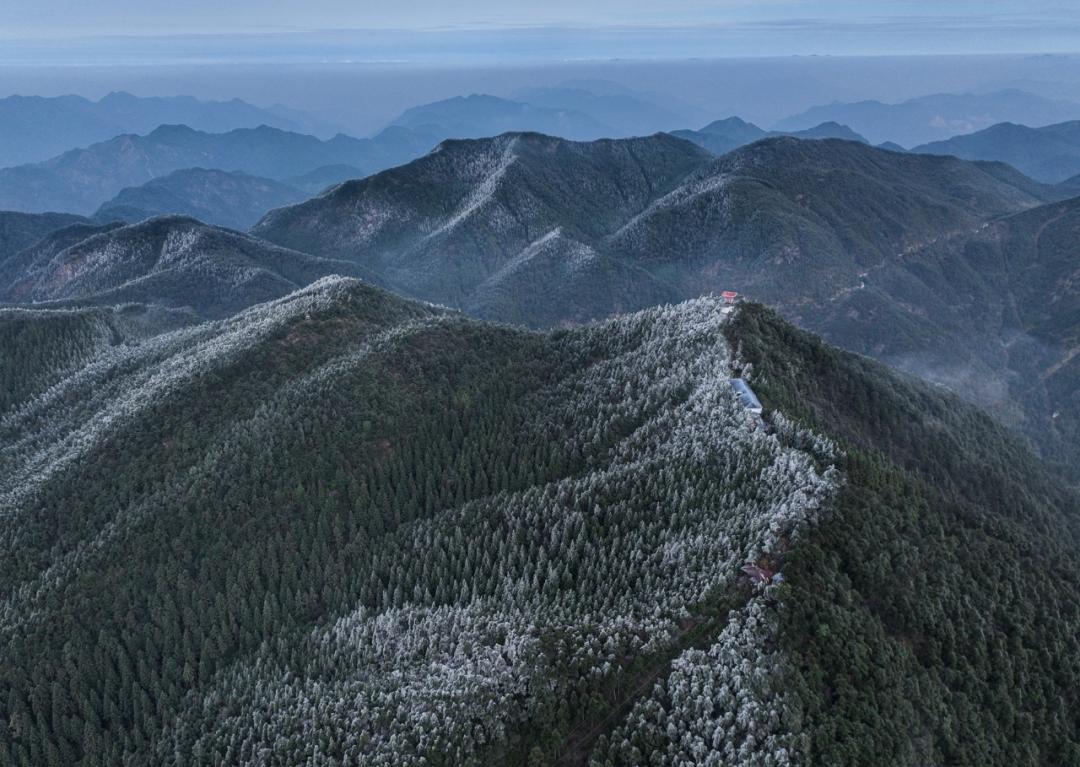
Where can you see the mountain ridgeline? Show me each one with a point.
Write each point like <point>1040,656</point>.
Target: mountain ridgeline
<point>937,117</point>
<point>233,200</point>
<point>81,180</point>
<point>345,527</point>
<point>722,136</point>
<point>1050,153</point>
<point>35,128</point>
<point>846,239</point>
<point>465,224</point>
<point>170,261</point>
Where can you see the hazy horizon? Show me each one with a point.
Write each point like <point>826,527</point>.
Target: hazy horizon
<point>355,66</point>
<point>322,31</point>
<point>361,98</point>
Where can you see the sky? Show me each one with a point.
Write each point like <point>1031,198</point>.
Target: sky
<point>141,31</point>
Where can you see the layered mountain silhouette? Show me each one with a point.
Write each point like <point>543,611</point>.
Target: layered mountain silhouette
<point>323,177</point>
<point>35,128</point>
<point>481,115</point>
<point>170,261</point>
<point>235,200</point>
<point>81,180</point>
<point>936,117</point>
<point>1050,153</point>
<point>722,136</point>
<point>838,235</point>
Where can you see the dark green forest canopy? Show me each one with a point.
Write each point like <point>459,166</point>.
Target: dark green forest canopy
<point>933,616</point>
<point>427,536</point>
<point>452,528</point>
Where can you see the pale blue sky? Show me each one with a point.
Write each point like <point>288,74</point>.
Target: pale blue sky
<point>305,30</point>
<point>46,17</point>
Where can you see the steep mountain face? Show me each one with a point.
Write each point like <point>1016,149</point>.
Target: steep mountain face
<point>936,117</point>
<point>82,180</point>
<point>21,230</point>
<point>993,313</point>
<point>722,136</point>
<point>234,200</point>
<point>34,128</point>
<point>481,115</point>
<point>343,527</point>
<point>1050,154</point>
<point>780,218</point>
<point>911,588</point>
<point>173,262</point>
<point>471,218</point>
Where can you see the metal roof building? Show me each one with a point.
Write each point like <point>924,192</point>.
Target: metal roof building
<point>746,395</point>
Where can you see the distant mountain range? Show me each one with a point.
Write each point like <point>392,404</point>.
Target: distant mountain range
<point>34,128</point>
<point>627,112</point>
<point>469,224</point>
<point>82,180</point>
<point>323,177</point>
<point>1050,153</point>
<point>722,136</point>
<point>836,234</point>
<point>482,115</point>
<point>936,117</point>
<point>524,228</point>
<point>234,200</point>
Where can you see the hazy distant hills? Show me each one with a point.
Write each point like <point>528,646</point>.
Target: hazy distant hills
<point>324,176</point>
<point>172,261</point>
<point>722,136</point>
<point>234,200</point>
<point>482,115</point>
<point>34,128</point>
<point>81,180</point>
<point>936,117</point>
<point>1050,153</point>
<point>1071,185</point>
<point>629,113</point>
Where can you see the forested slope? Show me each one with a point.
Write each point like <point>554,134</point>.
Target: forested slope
<point>418,532</point>
<point>343,527</point>
<point>932,616</point>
